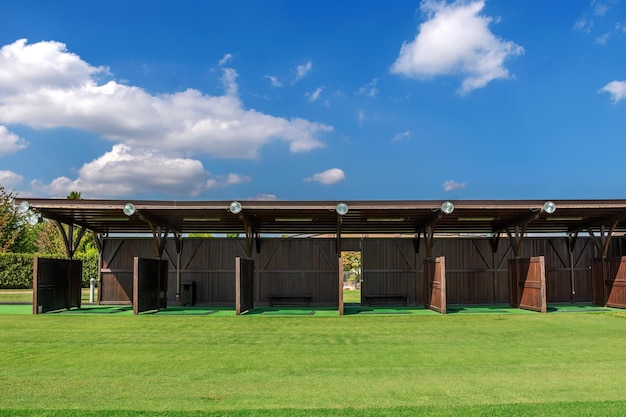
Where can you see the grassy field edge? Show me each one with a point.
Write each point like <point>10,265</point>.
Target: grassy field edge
<point>581,409</point>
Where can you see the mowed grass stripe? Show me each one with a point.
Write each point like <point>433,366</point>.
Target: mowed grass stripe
<point>355,365</point>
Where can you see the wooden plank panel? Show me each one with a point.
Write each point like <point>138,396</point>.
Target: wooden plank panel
<point>435,273</point>
<point>616,282</point>
<point>290,267</point>
<point>530,274</point>
<point>389,267</point>
<point>244,285</point>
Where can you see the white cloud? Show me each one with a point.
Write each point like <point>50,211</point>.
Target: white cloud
<point>361,117</point>
<point>452,185</point>
<point>617,90</point>
<point>583,24</point>
<point>127,171</point>
<point>10,142</point>
<point>599,8</point>
<point>10,180</point>
<point>264,197</point>
<point>315,94</point>
<point>369,89</point>
<point>330,176</point>
<point>456,40</point>
<point>225,59</point>
<point>603,39</point>
<point>406,135</point>
<point>44,86</point>
<point>303,70</point>
<point>274,81</point>
<point>597,12</point>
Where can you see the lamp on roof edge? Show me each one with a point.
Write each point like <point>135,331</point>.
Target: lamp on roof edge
<point>33,218</point>
<point>235,207</point>
<point>341,209</point>
<point>447,207</point>
<point>549,207</point>
<point>23,207</point>
<point>129,209</point>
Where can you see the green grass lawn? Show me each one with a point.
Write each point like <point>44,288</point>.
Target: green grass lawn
<point>456,365</point>
<point>352,296</point>
<point>26,296</point>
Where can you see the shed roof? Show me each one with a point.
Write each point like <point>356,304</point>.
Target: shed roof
<point>320,217</point>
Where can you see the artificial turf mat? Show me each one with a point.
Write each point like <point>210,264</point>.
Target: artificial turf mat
<point>384,311</point>
<point>94,310</point>
<point>288,312</point>
<point>185,311</point>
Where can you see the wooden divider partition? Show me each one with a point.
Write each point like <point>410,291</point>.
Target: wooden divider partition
<point>527,283</point>
<point>610,282</point>
<point>435,278</point>
<point>56,284</point>
<point>244,276</point>
<point>149,284</point>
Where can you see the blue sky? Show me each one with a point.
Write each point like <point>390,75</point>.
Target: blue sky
<point>314,100</point>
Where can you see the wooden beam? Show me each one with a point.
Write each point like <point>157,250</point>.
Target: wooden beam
<point>71,243</point>
<point>521,221</point>
<point>610,220</point>
<point>338,234</point>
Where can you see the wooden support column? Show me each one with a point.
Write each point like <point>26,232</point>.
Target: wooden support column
<point>416,241</point>
<point>338,234</point>
<point>71,243</point>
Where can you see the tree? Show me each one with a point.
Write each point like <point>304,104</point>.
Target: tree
<point>14,229</point>
<point>50,240</point>
<point>74,195</point>
<point>200,235</point>
<point>352,264</point>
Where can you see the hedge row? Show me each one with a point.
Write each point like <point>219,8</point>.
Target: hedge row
<point>16,269</point>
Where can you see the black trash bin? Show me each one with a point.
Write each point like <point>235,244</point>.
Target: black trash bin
<point>188,293</point>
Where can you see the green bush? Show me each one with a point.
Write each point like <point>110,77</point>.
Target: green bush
<point>16,269</point>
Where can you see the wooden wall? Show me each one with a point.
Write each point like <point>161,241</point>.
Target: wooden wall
<point>117,266</point>
<point>474,272</point>
<point>390,266</point>
<point>298,267</point>
<point>56,284</point>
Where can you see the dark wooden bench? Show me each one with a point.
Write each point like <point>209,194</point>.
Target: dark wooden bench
<point>386,299</point>
<point>297,299</point>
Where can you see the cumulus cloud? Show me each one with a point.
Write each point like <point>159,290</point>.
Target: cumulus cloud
<point>44,86</point>
<point>452,185</point>
<point>128,171</point>
<point>617,90</point>
<point>10,142</point>
<point>456,40</point>
<point>10,180</point>
<point>330,176</point>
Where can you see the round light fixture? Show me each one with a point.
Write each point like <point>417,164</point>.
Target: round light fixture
<point>235,207</point>
<point>341,209</point>
<point>33,218</point>
<point>549,207</point>
<point>129,209</point>
<point>447,207</point>
<point>23,207</point>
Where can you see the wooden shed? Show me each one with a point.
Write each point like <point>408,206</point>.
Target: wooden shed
<point>432,253</point>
